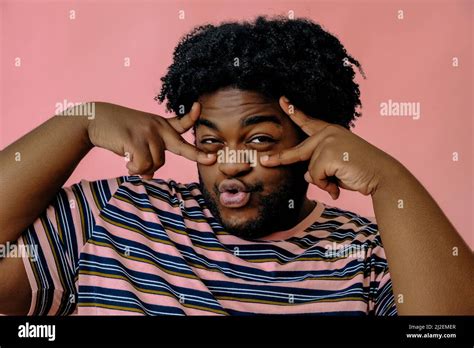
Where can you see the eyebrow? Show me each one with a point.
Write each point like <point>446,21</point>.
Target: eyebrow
<point>252,120</point>
<point>204,122</point>
<point>249,121</point>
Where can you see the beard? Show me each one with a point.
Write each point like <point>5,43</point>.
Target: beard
<point>277,211</point>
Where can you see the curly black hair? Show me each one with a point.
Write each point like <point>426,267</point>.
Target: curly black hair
<point>274,57</point>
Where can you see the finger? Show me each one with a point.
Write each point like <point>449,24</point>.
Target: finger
<point>184,123</point>
<point>301,152</point>
<point>176,144</point>
<point>308,124</point>
<point>156,148</point>
<point>141,159</point>
<point>329,171</point>
<point>320,174</point>
<point>325,183</point>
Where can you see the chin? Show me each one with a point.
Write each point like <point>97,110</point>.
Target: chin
<point>237,220</point>
<point>246,227</point>
<point>241,216</point>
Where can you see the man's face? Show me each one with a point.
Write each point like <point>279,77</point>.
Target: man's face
<point>249,200</point>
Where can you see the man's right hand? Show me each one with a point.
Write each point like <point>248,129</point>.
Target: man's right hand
<point>143,138</point>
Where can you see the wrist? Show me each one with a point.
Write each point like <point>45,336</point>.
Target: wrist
<point>78,119</point>
<point>89,123</point>
<point>392,175</point>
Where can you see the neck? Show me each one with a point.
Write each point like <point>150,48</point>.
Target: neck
<point>306,209</point>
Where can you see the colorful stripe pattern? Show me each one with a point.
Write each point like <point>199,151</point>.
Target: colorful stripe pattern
<point>130,247</point>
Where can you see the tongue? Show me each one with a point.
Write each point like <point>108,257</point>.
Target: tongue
<point>234,200</point>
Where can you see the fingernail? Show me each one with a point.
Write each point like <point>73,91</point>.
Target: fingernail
<point>286,99</point>
<point>264,158</point>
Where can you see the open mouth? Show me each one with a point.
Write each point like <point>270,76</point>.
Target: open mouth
<point>233,194</point>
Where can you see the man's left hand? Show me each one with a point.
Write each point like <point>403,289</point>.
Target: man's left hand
<point>337,157</point>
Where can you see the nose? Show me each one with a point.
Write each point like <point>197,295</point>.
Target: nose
<point>233,163</point>
<point>235,170</point>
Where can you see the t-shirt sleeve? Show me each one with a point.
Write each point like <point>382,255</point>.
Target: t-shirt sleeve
<point>56,238</point>
<point>381,298</point>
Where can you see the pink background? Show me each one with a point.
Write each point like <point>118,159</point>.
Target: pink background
<point>407,60</point>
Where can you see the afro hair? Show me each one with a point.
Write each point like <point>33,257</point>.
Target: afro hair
<point>273,57</point>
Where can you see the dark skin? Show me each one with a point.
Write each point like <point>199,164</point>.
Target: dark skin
<point>431,266</point>
<point>222,123</point>
<point>143,139</point>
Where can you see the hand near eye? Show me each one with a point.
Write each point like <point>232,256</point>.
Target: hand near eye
<point>143,137</point>
<point>337,157</point>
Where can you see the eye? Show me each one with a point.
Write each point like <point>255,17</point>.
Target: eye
<point>261,139</point>
<point>209,141</point>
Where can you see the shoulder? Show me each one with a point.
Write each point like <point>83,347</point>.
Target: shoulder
<point>164,191</point>
<point>168,187</point>
<point>345,224</point>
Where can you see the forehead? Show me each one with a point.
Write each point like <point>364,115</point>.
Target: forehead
<point>238,103</point>
<point>232,110</point>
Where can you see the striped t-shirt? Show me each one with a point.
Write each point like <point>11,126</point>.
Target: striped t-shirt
<point>128,246</point>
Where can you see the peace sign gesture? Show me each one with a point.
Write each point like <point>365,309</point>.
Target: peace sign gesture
<point>143,138</point>
<point>337,157</point>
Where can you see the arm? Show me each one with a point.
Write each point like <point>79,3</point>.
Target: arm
<point>38,175</point>
<point>430,264</point>
<point>49,155</point>
<point>419,241</point>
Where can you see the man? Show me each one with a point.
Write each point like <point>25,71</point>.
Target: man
<point>271,103</point>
